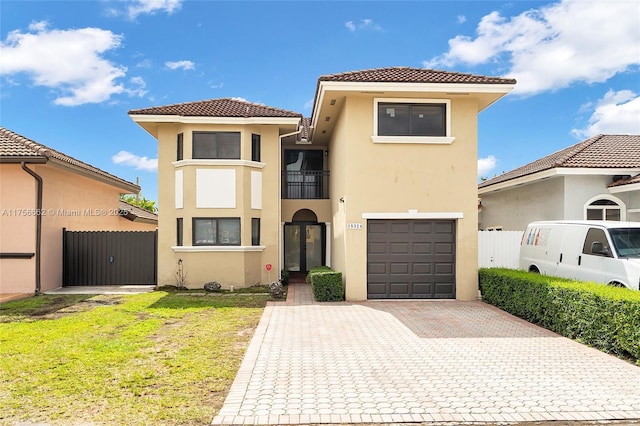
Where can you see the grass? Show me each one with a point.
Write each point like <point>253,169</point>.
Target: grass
<point>161,358</point>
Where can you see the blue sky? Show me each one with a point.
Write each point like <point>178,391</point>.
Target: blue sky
<point>70,70</point>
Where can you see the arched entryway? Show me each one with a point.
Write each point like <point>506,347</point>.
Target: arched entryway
<point>304,242</point>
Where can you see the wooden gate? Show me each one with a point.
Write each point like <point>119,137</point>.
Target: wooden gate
<point>109,257</point>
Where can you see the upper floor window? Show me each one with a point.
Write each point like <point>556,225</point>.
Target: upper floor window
<point>412,121</point>
<point>396,119</point>
<point>255,147</point>
<point>216,145</point>
<point>179,147</point>
<point>210,231</point>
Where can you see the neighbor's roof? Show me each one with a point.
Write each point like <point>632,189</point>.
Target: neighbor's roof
<point>628,181</point>
<point>223,107</point>
<point>598,152</point>
<point>15,148</point>
<point>413,75</point>
<point>136,214</point>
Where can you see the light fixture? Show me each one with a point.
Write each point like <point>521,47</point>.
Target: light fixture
<point>333,102</point>
<point>327,118</point>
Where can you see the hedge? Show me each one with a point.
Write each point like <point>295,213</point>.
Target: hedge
<point>607,318</point>
<point>326,284</point>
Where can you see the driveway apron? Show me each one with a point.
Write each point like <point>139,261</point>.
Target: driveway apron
<point>419,361</point>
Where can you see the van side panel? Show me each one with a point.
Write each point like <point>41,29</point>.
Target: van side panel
<point>571,249</point>
<point>540,248</point>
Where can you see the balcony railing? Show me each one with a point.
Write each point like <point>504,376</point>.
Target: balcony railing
<point>305,185</point>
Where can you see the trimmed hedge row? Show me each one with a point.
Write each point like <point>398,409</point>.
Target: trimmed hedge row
<point>326,284</point>
<point>601,316</point>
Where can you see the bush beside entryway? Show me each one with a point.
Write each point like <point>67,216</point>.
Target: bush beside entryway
<point>607,318</point>
<point>326,284</point>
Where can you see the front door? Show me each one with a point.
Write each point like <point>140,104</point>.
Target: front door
<point>304,246</point>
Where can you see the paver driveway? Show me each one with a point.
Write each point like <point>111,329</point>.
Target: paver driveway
<point>423,361</point>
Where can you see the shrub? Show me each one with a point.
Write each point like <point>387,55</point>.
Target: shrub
<point>326,284</point>
<point>601,316</point>
<point>284,277</point>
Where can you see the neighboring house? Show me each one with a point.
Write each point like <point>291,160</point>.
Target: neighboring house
<point>598,178</point>
<point>379,183</point>
<point>43,191</point>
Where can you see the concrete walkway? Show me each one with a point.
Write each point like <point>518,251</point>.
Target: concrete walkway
<point>419,361</point>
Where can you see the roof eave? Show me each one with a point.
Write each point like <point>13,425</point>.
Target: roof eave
<point>22,159</point>
<point>556,171</point>
<point>145,118</point>
<point>126,187</point>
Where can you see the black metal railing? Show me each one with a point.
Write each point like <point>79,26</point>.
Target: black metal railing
<point>305,185</point>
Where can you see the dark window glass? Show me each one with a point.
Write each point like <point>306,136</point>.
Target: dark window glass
<point>255,232</point>
<point>596,243</point>
<point>179,231</point>
<point>216,231</point>
<point>179,147</point>
<point>255,147</point>
<point>411,119</point>
<point>216,145</point>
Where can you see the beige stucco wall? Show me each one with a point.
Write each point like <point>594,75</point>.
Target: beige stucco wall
<point>70,200</point>
<point>396,178</point>
<point>232,266</point>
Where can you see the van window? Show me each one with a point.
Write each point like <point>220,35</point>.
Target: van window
<point>626,241</point>
<point>596,243</point>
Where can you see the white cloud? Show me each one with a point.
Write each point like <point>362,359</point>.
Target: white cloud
<point>485,165</point>
<point>616,113</point>
<point>308,104</point>
<point>461,19</point>
<point>140,163</point>
<point>139,7</point>
<point>554,46</point>
<point>364,24</point>
<point>184,65</point>
<point>69,61</point>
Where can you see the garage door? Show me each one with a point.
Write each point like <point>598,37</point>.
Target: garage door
<point>411,259</point>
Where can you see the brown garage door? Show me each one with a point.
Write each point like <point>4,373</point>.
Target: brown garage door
<point>411,259</point>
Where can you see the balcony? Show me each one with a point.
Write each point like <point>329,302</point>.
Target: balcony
<point>305,185</point>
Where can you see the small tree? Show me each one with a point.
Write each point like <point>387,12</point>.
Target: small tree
<point>141,202</point>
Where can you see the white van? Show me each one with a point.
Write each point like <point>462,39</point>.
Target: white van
<point>599,251</point>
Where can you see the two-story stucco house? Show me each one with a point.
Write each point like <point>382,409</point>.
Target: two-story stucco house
<point>379,183</point>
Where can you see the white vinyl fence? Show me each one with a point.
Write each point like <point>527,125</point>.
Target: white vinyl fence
<point>499,249</point>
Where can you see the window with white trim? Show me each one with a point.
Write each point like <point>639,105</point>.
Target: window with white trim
<point>216,145</point>
<point>603,210</point>
<point>412,121</point>
<point>211,231</point>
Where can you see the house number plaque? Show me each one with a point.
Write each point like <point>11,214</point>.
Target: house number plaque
<point>354,226</point>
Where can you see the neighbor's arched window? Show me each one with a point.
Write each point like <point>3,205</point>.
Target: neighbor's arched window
<point>604,207</point>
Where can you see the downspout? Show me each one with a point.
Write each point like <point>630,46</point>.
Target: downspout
<point>38,222</point>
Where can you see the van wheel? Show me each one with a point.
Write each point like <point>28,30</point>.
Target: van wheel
<point>616,284</point>
<point>534,269</point>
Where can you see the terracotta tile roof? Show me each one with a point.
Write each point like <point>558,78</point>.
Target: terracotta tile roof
<point>413,75</point>
<point>598,152</point>
<point>223,107</point>
<point>627,181</point>
<point>14,146</point>
<point>131,212</point>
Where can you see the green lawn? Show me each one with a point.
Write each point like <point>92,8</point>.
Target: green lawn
<point>157,358</point>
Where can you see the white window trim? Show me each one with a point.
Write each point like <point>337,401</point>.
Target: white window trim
<point>218,162</point>
<point>442,140</point>
<point>620,205</point>
<point>192,249</point>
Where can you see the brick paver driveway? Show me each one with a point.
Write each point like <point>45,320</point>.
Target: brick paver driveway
<point>424,361</point>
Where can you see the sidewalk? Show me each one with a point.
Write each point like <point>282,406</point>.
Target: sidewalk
<point>419,361</point>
